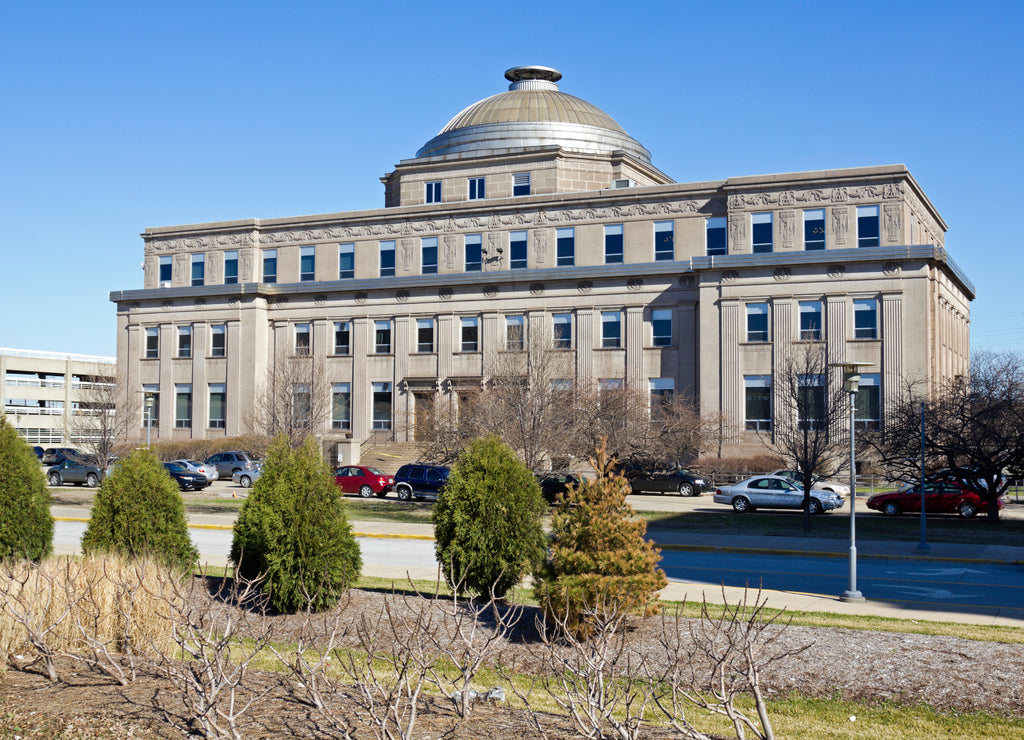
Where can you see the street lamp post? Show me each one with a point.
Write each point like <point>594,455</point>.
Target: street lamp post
<point>923,545</point>
<point>851,378</point>
<point>149,417</point>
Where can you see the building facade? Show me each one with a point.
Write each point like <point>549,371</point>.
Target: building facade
<point>533,213</point>
<point>54,399</point>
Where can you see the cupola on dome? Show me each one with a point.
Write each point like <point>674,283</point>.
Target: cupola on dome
<point>533,113</point>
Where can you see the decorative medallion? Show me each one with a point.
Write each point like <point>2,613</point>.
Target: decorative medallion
<point>891,269</point>
<point>281,300</point>
<point>199,302</point>
<point>840,195</point>
<point>836,271</point>
<point>320,299</point>
<point>687,281</point>
<point>490,291</point>
<point>536,288</point>
<point>235,301</point>
<point>585,286</point>
<point>133,306</point>
<point>782,274</point>
<point>634,284</point>
<point>167,305</point>
<point>402,296</point>
<point>361,298</point>
<point>445,294</point>
<point>729,276</point>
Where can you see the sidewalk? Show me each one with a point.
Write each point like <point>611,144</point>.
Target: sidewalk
<point>675,591</point>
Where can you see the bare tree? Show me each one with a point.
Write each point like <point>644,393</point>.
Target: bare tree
<point>294,400</point>
<point>106,421</point>
<point>811,421</point>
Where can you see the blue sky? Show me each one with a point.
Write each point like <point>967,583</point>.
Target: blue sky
<point>118,116</point>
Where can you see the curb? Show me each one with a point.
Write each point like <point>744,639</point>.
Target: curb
<point>843,555</point>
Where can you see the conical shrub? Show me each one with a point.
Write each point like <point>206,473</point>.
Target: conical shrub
<point>26,527</point>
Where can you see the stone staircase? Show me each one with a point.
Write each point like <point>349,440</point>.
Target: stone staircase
<point>390,456</point>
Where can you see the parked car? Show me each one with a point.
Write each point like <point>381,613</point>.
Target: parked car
<point>39,453</point>
<point>825,485</point>
<point>420,481</point>
<point>774,492</point>
<point>553,485</point>
<point>210,471</point>
<point>941,497</point>
<point>683,482</point>
<point>73,471</point>
<point>57,455</point>
<point>187,480</point>
<point>363,480</point>
<point>229,462</point>
<point>245,478</point>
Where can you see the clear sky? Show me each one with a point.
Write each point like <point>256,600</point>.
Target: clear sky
<point>118,116</point>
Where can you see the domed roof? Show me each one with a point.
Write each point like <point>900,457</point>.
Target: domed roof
<point>532,113</point>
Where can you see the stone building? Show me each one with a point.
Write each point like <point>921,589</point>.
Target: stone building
<point>534,213</point>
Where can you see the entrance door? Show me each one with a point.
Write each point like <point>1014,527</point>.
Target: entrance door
<point>424,428</point>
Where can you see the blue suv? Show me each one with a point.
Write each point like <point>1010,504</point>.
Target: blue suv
<point>420,481</point>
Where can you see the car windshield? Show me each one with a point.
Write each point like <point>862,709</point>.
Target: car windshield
<point>174,466</point>
<point>374,471</point>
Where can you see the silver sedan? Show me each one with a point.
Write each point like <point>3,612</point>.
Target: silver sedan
<point>774,492</point>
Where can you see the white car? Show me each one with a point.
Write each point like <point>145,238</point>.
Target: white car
<point>245,478</point>
<point>194,466</point>
<point>774,492</point>
<point>825,485</point>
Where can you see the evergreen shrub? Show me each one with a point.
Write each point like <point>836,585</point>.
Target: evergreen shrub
<point>26,527</point>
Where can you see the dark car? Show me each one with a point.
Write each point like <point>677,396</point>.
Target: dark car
<point>229,463</point>
<point>72,471</point>
<point>420,481</point>
<point>57,455</point>
<point>553,485</point>
<point>187,480</point>
<point>941,497</point>
<point>363,480</point>
<point>39,453</point>
<point>683,482</point>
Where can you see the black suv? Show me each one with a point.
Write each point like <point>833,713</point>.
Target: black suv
<point>553,485</point>
<point>420,480</point>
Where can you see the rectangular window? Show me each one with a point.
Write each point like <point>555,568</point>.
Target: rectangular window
<point>515,327</point>
<point>758,402</point>
<point>382,405</point>
<point>198,269</point>
<point>166,271</point>
<point>757,322</point>
<point>566,250</point>
<point>760,232</point>
<point>152,342</point>
<point>517,250</point>
<point>433,192</point>
<point>664,241</point>
<point>346,261</point>
<point>231,267</point>
<point>341,406</point>
<point>868,403</point>
<point>810,402</point>
<point>382,336</point>
<point>476,188</point>
<point>470,334</point>
<point>270,265</point>
<point>424,335</point>
<point>184,341</point>
<point>218,340</point>
<point>341,338</point>
<point>662,394</point>
<point>521,184</point>
<point>613,244</point>
<point>428,255</point>
<point>218,405</point>
<point>307,264</point>
<point>474,254</point>
<point>303,340</point>
<point>183,406</point>
<point>562,330</point>
<point>661,327</point>
<point>865,318</point>
<point>611,329</point>
<point>810,320</point>
<point>715,236</point>
<point>387,258</point>
<point>814,229</point>
<point>302,404</point>
<point>867,226</point>
<point>151,412</point>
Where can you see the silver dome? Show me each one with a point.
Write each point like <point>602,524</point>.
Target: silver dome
<point>533,113</point>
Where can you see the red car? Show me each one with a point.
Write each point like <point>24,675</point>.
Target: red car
<point>941,497</point>
<point>364,481</point>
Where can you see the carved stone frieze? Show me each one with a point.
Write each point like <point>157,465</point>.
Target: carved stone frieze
<point>540,246</point>
<point>245,260</point>
<point>214,263</point>
<point>451,250</point>
<point>737,231</point>
<point>840,223</point>
<point>408,253</point>
<point>786,230</point>
<point>892,219</point>
<point>840,195</point>
<point>181,264</point>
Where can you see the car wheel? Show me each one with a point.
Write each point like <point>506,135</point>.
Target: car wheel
<point>741,504</point>
<point>245,481</point>
<point>404,494</point>
<point>685,489</point>
<point>365,491</point>
<point>55,479</point>
<point>814,507</point>
<point>967,510</point>
<point>891,509</point>
<point>92,480</point>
